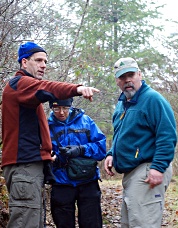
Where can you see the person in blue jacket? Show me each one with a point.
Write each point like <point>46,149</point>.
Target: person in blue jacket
<point>143,147</point>
<point>75,134</point>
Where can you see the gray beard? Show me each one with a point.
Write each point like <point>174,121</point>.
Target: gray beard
<point>129,94</point>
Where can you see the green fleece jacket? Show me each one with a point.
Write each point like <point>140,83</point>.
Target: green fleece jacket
<point>144,131</point>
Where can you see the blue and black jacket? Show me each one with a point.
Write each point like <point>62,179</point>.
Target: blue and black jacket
<point>79,129</point>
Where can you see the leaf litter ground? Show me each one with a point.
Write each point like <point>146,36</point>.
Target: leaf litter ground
<point>111,204</point>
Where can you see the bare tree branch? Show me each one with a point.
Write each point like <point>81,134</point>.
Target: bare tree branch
<point>76,38</point>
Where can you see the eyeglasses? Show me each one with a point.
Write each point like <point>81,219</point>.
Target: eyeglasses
<point>61,108</point>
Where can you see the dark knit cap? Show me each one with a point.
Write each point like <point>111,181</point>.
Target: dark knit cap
<point>28,49</point>
<point>57,102</point>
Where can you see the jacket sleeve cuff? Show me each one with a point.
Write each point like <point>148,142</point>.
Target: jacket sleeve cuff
<point>109,153</point>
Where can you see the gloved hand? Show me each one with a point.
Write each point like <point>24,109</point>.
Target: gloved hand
<point>63,150</point>
<point>57,162</point>
<point>72,151</point>
<point>49,177</point>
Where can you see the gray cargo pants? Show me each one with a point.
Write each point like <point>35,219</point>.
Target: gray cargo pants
<point>142,207</point>
<point>24,183</point>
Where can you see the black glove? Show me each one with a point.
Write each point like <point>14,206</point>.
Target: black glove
<point>49,177</point>
<point>72,151</point>
<point>63,150</point>
<point>57,163</point>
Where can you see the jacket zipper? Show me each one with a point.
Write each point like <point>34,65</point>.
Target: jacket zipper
<point>137,153</point>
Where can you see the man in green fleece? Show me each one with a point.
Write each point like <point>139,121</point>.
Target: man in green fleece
<point>143,147</point>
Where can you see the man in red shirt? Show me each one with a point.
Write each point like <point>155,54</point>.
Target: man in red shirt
<point>25,133</point>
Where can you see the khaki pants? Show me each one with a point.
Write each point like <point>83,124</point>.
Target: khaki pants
<point>142,207</point>
<point>24,183</point>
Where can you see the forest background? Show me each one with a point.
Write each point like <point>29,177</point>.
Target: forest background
<point>83,39</point>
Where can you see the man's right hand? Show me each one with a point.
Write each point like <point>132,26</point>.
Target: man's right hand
<point>87,92</point>
<point>108,164</point>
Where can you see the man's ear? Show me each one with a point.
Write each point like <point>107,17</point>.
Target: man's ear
<point>24,63</point>
<point>140,74</point>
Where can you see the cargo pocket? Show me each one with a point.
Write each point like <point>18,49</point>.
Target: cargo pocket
<point>22,187</point>
<point>153,213</point>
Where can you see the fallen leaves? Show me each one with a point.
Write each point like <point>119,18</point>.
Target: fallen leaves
<point>110,202</point>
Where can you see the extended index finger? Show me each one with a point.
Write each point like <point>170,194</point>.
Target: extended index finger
<point>95,90</point>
